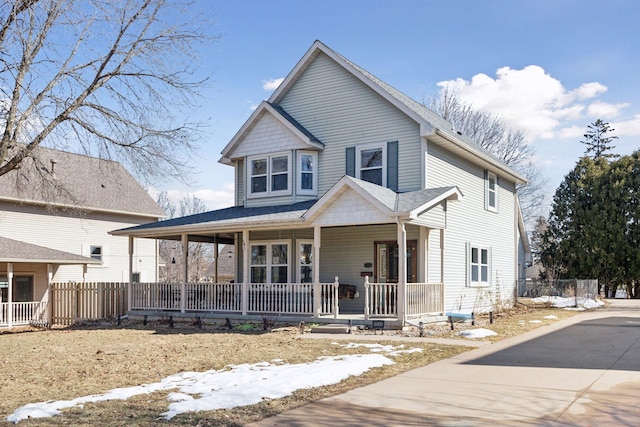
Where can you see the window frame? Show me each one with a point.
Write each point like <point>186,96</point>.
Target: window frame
<point>314,172</point>
<point>383,167</point>
<point>269,175</point>
<point>99,255</point>
<point>479,265</point>
<point>488,191</point>
<point>269,259</point>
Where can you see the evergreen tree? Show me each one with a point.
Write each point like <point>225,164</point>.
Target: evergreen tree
<point>598,141</point>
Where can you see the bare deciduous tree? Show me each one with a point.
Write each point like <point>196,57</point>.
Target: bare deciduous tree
<point>509,145</point>
<point>201,255</point>
<point>108,78</point>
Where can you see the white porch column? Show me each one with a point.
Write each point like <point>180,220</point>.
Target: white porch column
<point>130,293</point>
<point>49,293</point>
<point>185,272</point>
<point>402,273</point>
<point>423,255</point>
<point>317,289</point>
<point>246,268</point>
<point>442,254</point>
<point>10,294</point>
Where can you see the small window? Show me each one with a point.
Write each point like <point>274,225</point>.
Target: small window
<point>96,252</point>
<point>491,191</point>
<point>306,262</point>
<point>269,175</point>
<point>370,164</point>
<point>135,277</point>
<point>307,172</point>
<point>478,265</point>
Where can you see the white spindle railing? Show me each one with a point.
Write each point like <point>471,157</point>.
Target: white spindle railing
<point>381,299</point>
<point>155,296</point>
<point>424,298</point>
<point>22,313</point>
<point>290,298</point>
<point>214,297</point>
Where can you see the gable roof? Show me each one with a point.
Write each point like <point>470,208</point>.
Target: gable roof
<point>17,251</point>
<point>407,205</point>
<point>73,181</point>
<point>432,126</point>
<point>282,117</point>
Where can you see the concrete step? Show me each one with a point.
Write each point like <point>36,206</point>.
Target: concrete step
<point>331,328</point>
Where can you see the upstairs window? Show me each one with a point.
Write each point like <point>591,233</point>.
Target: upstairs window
<point>96,252</point>
<point>491,191</point>
<point>307,172</point>
<point>269,175</point>
<point>371,164</point>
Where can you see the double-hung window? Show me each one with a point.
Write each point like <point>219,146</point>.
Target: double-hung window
<point>307,172</point>
<point>371,164</point>
<point>478,265</point>
<point>269,175</point>
<point>270,262</point>
<point>491,191</point>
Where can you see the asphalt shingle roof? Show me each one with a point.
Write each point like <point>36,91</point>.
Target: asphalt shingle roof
<point>17,251</point>
<point>80,181</point>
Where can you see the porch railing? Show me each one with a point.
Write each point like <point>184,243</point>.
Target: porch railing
<point>425,298</point>
<point>286,298</point>
<point>23,313</point>
<point>380,299</point>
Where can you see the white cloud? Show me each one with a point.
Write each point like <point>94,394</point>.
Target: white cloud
<point>272,84</point>
<point>604,110</point>
<point>627,128</point>
<point>529,99</point>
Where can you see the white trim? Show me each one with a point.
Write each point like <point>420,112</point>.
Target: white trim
<point>383,166</point>
<point>269,175</point>
<point>314,171</point>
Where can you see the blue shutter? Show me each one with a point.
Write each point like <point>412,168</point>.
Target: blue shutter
<point>350,168</point>
<point>392,165</point>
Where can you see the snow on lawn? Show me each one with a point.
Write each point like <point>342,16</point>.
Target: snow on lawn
<point>567,302</point>
<point>236,385</point>
<point>476,333</point>
<point>551,316</point>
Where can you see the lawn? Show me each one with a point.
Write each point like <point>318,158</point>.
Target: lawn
<point>67,363</point>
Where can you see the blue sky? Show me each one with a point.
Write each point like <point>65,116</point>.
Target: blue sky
<point>548,67</point>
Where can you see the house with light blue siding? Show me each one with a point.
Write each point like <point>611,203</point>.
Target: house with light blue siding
<point>352,202</point>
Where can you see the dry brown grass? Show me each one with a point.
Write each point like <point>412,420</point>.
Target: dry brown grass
<point>69,363</point>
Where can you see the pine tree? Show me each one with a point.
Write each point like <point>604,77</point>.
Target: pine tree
<point>598,141</point>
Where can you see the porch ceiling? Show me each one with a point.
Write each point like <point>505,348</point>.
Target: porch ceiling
<point>15,251</point>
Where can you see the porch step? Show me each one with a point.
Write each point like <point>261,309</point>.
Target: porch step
<point>330,329</point>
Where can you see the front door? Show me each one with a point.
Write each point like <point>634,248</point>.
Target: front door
<point>386,265</point>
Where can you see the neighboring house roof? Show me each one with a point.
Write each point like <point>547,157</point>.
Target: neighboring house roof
<point>432,126</point>
<point>16,251</point>
<point>407,205</point>
<point>73,181</point>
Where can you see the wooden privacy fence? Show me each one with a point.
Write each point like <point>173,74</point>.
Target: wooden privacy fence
<point>74,301</point>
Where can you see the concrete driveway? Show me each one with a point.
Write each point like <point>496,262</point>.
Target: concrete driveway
<point>582,371</point>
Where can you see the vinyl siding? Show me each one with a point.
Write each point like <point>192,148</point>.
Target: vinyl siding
<point>351,208</point>
<point>69,233</point>
<point>240,182</point>
<point>469,221</point>
<point>341,111</point>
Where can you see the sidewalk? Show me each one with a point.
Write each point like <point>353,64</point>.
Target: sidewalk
<point>580,371</point>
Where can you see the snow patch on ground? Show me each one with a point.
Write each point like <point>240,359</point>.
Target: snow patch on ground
<point>476,333</point>
<point>566,302</point>
<point>551,316</point>
<point>235,385</point>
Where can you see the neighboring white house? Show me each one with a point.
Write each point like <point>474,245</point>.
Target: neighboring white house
<point>56,212</point>
<point>339,175</point>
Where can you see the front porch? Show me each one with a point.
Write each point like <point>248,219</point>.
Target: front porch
<point>317,302</point>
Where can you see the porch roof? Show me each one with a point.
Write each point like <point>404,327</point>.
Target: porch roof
<point>221,223</point>
<point>17,251</point>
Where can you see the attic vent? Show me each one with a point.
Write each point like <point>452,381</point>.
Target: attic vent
<point>53,167</point>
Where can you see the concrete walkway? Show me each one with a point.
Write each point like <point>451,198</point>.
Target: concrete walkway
<point>581,371</point>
